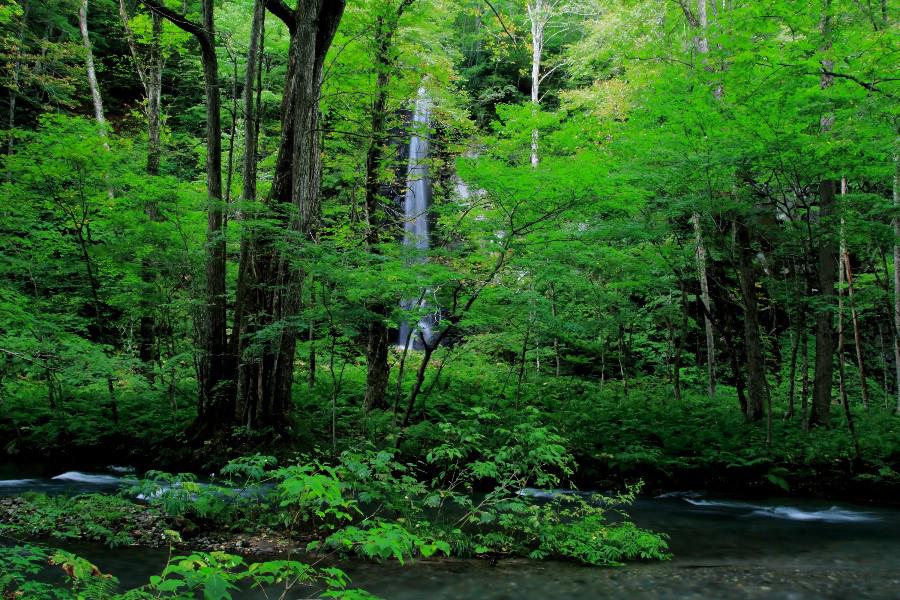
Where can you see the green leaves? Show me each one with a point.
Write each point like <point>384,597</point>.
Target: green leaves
<point>216,588</point>
<point>380,539</point>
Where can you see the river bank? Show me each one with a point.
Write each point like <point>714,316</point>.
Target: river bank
<point>727,548</point>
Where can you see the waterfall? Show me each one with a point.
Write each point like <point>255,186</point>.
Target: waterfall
<point>415,210</point>
<point>418,189</point>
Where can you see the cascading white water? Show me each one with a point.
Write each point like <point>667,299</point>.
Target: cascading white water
<point>415,209</point>
<point>418,190</point>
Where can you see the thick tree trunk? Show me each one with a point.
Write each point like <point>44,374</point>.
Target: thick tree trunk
<point>377,367</point>
<point>215,400</point>
<point>216,364</point>
<point>271,286</point>
<point>757,389</point>
<point>827,259</point>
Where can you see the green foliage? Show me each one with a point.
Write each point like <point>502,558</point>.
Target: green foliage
<point>97,517</point>
<point>212,575</point>
<point>576,528</point>
<point>377,539</point>
<point>20,565</point>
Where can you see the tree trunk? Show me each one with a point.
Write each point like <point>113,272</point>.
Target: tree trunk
<point>702,20</point>
<point>417,384</point>
<point>556,355</point>
<point>377,338</point>
<point>679,344</point>
<point>845,276</point>
<point>154,93</point>
<point>150,73</point>
<point>896,224</point>
<point>149,70</point>
<point>311,338</point>
<point>622,360</point>
<point>827,259</point>
<point>215,395</point>
<point>707,305</point>
<point>757,389</point>
<point>16,70</point>
<point>96,98</point>
<point>602,366</point>
<point>857,336</point>
<point>255,51</point>
<point>271,286</point>
<point>842,338</point>
<point>522,364</point>
<point>377,367</point>
<point>703,48</point>
<point>232,133</point>
<point>792,373</point>
<point>538,15</point>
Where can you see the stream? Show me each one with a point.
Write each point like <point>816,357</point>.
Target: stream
<point>776,548</point>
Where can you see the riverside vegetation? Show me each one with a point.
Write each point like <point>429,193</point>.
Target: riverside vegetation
<point>385,267</point>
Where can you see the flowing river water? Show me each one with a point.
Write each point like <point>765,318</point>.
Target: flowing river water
<point>723,549</point>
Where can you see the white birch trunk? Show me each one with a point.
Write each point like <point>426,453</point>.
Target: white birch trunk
<point>91,72</point>
<point>538,14</point>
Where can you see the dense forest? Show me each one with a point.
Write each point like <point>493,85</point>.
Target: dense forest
<point>385,273</point>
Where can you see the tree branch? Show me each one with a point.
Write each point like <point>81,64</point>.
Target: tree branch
<point>178,20</point>
<point>283,12</point>
<point>688,13</point>
<point>502,24</point>
<point>871,86</point>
